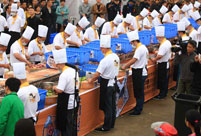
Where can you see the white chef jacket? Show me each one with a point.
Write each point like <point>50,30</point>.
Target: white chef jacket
<point>193,35</point>
<point>121,29</point>
<point>146,22</point>
<point>33,47</point>
<point>109,68</point>
<point>107,30</point>
<point>165,52</point>
<point>67,85</point>
<point>16,48</point>
<point>156,21</point>
<point>30,98</point>
<point>16,27</point>
<point>199,35</point>
<point>167,18</point>
<point>75,38</point>
<point>134,23</point>
<point>4,61</point>
<point>21,13</point>
<point>3,23</point>
<point>90,34</point>
<point>141,54</point>
<point>59,41</point>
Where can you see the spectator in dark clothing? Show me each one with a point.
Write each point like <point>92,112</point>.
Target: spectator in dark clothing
<point>42,3</point>
<point>47,19</point>
<point>55,4</point>
<point>113,8</point>
<point>6,14</point>
<point>155,6</point>
<point>196,69</point>
<point>132,8</point>
<point>144,4</point>
<point>33,22</point>
<point>34,3</point>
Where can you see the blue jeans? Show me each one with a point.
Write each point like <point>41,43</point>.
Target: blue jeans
<point>140,101</point>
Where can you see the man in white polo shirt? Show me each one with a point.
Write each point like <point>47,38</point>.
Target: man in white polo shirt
<point>18,53</point>
<point>123,28</point>
<point>36,48</point>
<point>108,70</point>
<point>162,58</point>
<point>139,70</point>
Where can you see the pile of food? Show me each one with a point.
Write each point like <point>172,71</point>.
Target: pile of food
<point>36,67</point>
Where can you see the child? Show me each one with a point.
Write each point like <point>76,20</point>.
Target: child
<point>192,120</point>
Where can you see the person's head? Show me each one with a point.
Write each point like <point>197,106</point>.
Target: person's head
<point>24,41</point>
<point>31,10</point>
<point>116,2</point>
<point>24,5</point>
<point>187,2</point>
<point>49,3</point>
<point>157,1</point>
<point>105,50</point>
<point>192,120</point>
<point>85,1</point>
<point>38,8</point>
<point>79,28</point>
<point>5,1</point>
<point>2,48</point>
<point>12,85</point>
<point>62,3</point>
<point>8,9</point>
<point>135,42</point>
<point>42,3</point>
<point>24,127</point>
<point>98,1</point>
<point>198,21</point>
<point>131,3</point>
<point>191,46</point>
<point>181,33</point>
<point>35,2</point>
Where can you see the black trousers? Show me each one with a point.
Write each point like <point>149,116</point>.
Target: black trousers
<point>14,37</point>
<point>109,108</point>
<point>71,129</point>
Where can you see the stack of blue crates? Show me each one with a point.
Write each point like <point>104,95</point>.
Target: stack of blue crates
<point>145,37</point>
<point>170,30</point>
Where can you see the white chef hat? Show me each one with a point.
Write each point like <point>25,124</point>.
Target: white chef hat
<point>99,21</point>
<point>196,15</point>
<point>185,8</point>
<point>4,39</point>
<point>160,31</point>
<point>163,9</point>
<point>128,18</point>
<point>197,4</point>
<point>105,41</point>
<point>154,13</point>
<point>181,26</point>
<point>15,1</point>
<point>144,12</point>
<point>60,56</point>
<point>19,70</point>
<point>42,30</point>
<point>118,19</point>
<point>186,21</point>
<point>132,36</point>
<point>83,22</point>
<point>14,7</point>
<point>28,33</point>
<point>175,8</point>
<point>190,6</point>
<point>70,29</point>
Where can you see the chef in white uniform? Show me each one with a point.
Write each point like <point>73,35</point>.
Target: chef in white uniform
<point>66,103</point>
<point>123,28</point>
<point>27,93</point>
<point>108,70</point>
<point>4,63</point>
<point>175,9</point>
<point>148,22</point>
<point>162,58</point>
<point>3,22</point>
<point>36,48</point>
<point>195,8</point>
<point>181,28</point>
<point>197,18</point>
<point>139,70</point>
<point>91,33</point>
<point>15,26</point>
<point>20,12</point>
<point>181,13</point>
<point>77,37</point>
<point>156,19</point>
<point>163,10</point>
<point>18,53</point>
<point>110,28</point>
<point>60,41</point>
<point>168,17</point>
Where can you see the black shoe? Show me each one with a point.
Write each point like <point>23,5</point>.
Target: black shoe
<point>134,113</point>
<point>158,98</point>
<point>101,129</point>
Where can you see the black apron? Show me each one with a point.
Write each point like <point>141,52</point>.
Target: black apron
<point>175,72</point>
<point>61,111</point>
<point>162,74</point>
<point>137,82</point>
<point>103,89</point>
<point>199,48</point>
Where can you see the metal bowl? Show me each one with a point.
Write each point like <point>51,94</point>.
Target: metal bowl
<point>47,85</point>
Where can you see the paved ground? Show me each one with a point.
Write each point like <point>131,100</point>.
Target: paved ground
<point>154,110</point>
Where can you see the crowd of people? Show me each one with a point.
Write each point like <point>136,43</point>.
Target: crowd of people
<point>25,30</point>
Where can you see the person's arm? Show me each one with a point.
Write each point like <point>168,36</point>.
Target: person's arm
<point>5,66</point>
<point>73,43</point>
<point>18,57</point>
<point>103,11</point>
<point>61,84</point>
<point>89,12</point>
<point>58,12</point>
<point>94,78</point>
<point>147,27</point>
<point>4,112</point>
<point>130,62</point>
<point>120,33</point>
<point>93,10</point>
<point>58,47</point>
<point>86,39</point>
<point>80,10</point>
<point>66,12</point>
<point>37,53</point>
<point>157,58</point>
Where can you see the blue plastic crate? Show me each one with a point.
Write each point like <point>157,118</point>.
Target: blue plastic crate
<point>145,37</point>
<point>170,30</point>
<point>41,103</point>
<point>72,59</point>
<point>153,37</point>
<point>52,37</point>
<point>119,45</point>
<point>83,55</point>
<point>193,23</point>
<point>123,36</point>
<point>89,67</point>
